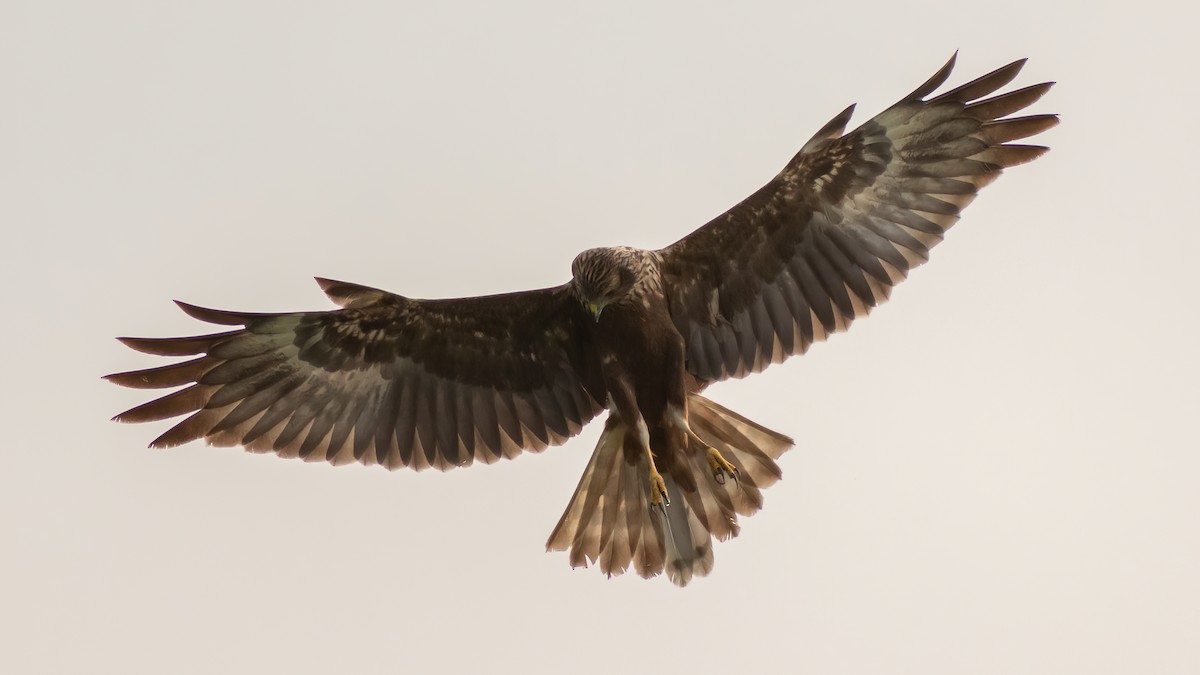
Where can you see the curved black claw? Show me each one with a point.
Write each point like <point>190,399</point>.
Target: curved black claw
<point>721,467</point>
<point>658,490</point>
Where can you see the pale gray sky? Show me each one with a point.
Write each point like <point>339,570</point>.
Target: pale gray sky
<point>996,472</point>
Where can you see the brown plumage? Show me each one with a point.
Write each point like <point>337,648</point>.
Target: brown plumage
<point>444,383</point>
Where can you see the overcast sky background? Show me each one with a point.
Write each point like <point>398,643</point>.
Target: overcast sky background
<point>995,473</point>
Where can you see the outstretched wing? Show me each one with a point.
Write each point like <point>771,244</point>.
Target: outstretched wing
<point>385,380</point>
<point>845,220</point>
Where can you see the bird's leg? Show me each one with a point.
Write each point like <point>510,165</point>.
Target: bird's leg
<point>720,466</point>
<point>658,487</point>
<point>622,397</point>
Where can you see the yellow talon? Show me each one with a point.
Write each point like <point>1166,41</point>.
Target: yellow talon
<point>658,489</point>
<point>720,466</point>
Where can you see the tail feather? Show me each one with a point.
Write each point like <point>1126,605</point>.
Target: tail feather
<point>610,521</point>
<point>689,545</point>
<point>748,435</point>
<point>649,552</point>
<point>600,476</point>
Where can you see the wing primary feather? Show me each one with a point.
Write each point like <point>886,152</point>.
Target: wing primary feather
<point>253,383</point>
<point>934,185</point>
<point>196,426</point>
<point>1007,103</point>
<point>243,345</point>
<point>934,82</point>
<point>164,377</point>
<point>219,316</point>
<point>984,85</point>
<point>1011,155</point>
<point>1017,128</point>
<point>346,294</point>
<point>245,368</point>
<point>921,150</point>
<point>951,168</point>
<point>171,405</point>
<point>179,346</point>
<point>832,129</point>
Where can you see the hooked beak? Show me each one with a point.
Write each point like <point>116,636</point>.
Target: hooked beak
<point>595,309</point>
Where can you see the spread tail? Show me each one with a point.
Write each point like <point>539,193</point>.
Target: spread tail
<point>610,521</point>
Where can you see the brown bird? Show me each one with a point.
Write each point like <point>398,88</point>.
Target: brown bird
<point>640,333</point>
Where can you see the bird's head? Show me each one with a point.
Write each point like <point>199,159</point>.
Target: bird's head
<point>603,276</point>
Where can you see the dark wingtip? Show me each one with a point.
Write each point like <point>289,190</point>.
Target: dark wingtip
<point>832,130</point>
<point>934,82</point>
<point>124,417</point>
<point>154,346</point>
<point>162,377</point>
<point>217,316</point>
<point>161,443</point>
<point>1007,103</point>
<point>346,294</point>
<point>326,283</point>
<point>183,346</point>
<point>839,122</point>
<point>985,84</point>
<point>1010,155</point>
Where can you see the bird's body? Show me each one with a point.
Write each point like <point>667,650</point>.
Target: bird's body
<point>640,333</point>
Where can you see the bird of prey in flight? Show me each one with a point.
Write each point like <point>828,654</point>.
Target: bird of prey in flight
<point>639,334</point>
